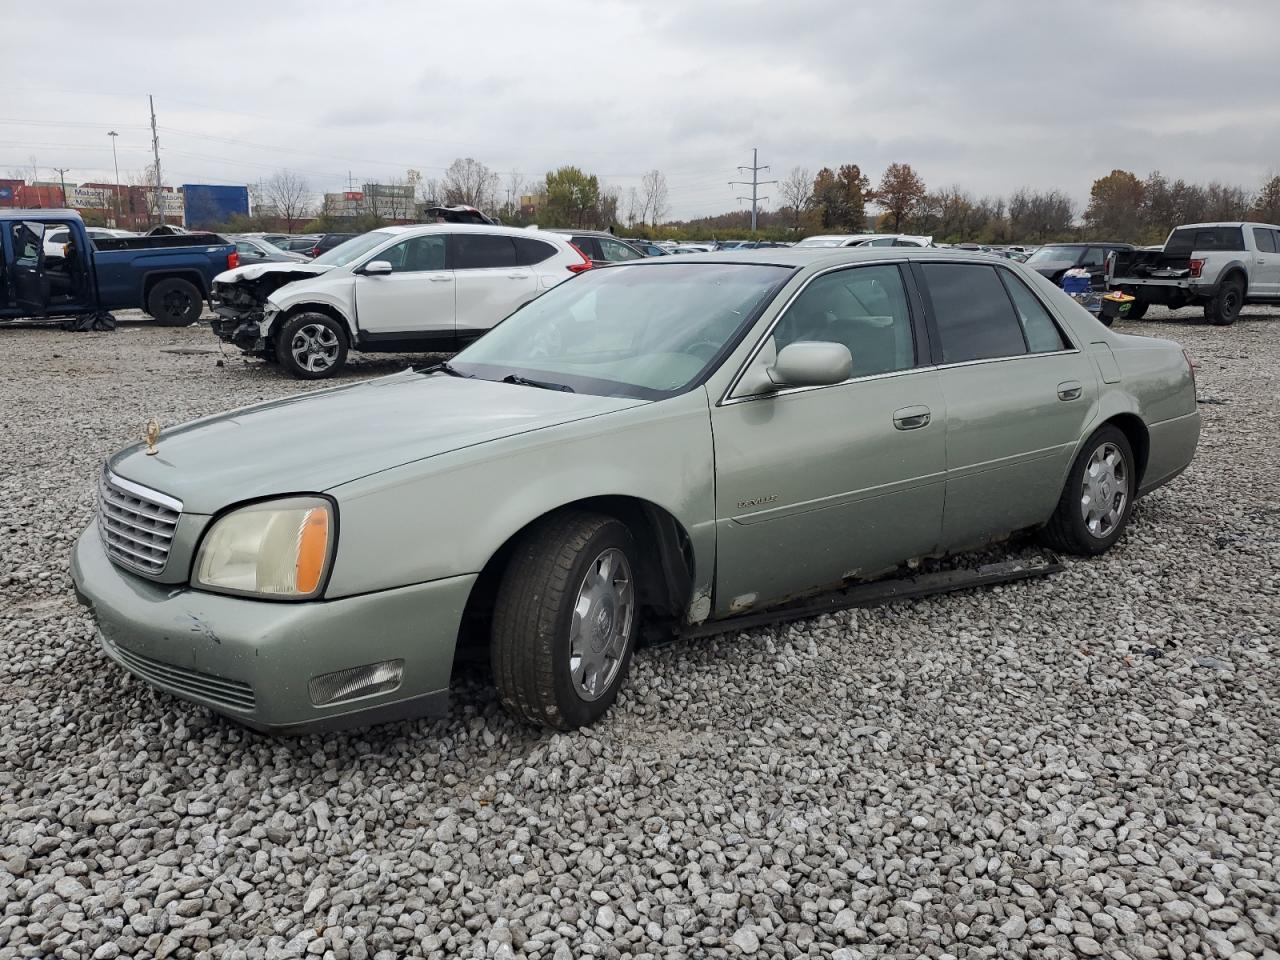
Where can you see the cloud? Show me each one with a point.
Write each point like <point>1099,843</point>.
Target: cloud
<point>986,94</point>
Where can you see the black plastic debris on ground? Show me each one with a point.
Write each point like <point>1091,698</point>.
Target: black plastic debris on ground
<point>90,322</point>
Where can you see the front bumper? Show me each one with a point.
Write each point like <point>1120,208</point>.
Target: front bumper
<point>251,660</point>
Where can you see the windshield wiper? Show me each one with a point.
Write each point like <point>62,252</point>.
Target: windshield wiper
<point>541,384</point>
<point>444,366</point>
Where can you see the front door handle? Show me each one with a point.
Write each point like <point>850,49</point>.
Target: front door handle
<point>1070,390</point>
<point>912,418</point>
<point>441,279</point>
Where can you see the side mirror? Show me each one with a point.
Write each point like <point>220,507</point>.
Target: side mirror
<point>377,268</point>
<point>811,364</point>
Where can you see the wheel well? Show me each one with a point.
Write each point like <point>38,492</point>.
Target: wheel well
<point>1235,273</point>
<point>1135,431</point>
<point>192,276</point>
<point>324,308</point>
<point>665,556</point>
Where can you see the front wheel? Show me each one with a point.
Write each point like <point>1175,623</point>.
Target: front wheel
<point>1095,505</point>
<point>312,346</point>
<point>565,620</point>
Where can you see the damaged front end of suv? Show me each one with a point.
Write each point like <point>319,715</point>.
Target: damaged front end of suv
<point>240,302</point>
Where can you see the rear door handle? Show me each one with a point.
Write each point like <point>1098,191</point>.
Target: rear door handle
<point>1069,390</point>
<point>912,418</point>
<point>517,276</point>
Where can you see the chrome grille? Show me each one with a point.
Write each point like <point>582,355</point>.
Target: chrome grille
<point>205,687</point>
<point>136,524</point>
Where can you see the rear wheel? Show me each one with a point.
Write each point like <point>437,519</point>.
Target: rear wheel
<point>312,346</point>
<point>565,620</point>
<point>175,302</point>
<point>1224,308</point>
<point>1137,310</point>
<point>1095,505</point>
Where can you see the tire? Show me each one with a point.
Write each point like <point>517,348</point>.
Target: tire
<point>546,672</point>
<point>1137,310</point>
<point>1069,529</point>
<point>312,346</point>
<point>1224,308</point>
<point>175,302</point>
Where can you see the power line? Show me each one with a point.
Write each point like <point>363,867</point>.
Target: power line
<point>755,183</point>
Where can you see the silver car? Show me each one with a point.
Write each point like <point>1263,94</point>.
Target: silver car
<point>673,440</point>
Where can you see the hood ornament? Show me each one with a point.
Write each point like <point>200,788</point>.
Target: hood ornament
<point>152,435</point>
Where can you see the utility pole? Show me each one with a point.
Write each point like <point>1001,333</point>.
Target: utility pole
<point>112,134</point>
<point>755,183</point>
<point>62,175</point>
<point>155,149</point>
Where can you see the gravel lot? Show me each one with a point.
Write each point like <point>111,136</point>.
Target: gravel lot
<point>1087,765</point>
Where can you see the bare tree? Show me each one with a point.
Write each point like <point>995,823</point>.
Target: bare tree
<point>631,205</point>
<point>290,195</point>
<point>29,173</point>
<point>797,193</point>
<point>653,197</point>
<point>471,182</point>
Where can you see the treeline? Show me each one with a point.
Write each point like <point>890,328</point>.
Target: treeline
<point>1121,207</point>
<point>839,199</point>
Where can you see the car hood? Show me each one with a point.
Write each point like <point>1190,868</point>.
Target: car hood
<point>313,442</point>
<point>303,268</point>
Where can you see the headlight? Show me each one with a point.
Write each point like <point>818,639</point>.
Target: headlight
<point>279,548</point>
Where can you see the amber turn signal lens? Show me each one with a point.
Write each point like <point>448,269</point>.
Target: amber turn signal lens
<point>313,548</point>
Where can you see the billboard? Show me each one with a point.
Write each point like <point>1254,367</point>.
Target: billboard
<point>211,205</point>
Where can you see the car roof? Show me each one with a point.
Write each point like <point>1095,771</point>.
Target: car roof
<point>423,229</point>
<point>821,257</point>
<point>1090,243</point>
<point>1227,223</point>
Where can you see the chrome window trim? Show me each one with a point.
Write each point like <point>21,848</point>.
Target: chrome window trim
<point>727,397</point>
<point>787,391</point>
<point>1021,356</point>
<point>144,493</point>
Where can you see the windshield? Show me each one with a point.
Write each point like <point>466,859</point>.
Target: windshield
<point>647,331</point>
<point>1055,255</point>
<point>353,249</point>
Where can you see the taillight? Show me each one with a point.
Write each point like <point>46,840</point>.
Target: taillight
<point>1109,264</point>
<point>315,251</point>
<point>233,260</point>
<point>584,265</point>
<point>1196,267</point>
<point>1191,367</point>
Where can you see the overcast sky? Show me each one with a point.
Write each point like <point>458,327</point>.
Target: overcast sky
<point>988,94</point>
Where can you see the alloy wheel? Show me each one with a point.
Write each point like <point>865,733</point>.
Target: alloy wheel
<point>601,626</point>
<point>1104,492</point>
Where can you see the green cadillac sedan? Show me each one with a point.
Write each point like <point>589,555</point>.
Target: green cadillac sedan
<point>668,442</point>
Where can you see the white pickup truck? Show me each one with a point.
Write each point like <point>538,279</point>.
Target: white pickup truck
<point>1218,266</point>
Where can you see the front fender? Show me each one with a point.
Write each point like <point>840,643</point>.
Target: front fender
<point>323,301</point>
<point>448,515</point>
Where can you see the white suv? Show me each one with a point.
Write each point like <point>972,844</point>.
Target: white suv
<point>425,288</point>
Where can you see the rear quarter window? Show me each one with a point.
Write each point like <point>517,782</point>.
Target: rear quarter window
<point>530,251</point>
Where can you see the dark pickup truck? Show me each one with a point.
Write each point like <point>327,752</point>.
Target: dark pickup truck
<point>167,276</point>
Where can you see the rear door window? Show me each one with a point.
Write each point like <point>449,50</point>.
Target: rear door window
<point>476,251</point>
<point>1094,257</point>
<point>973,313</point>
<point>1264,240</point>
